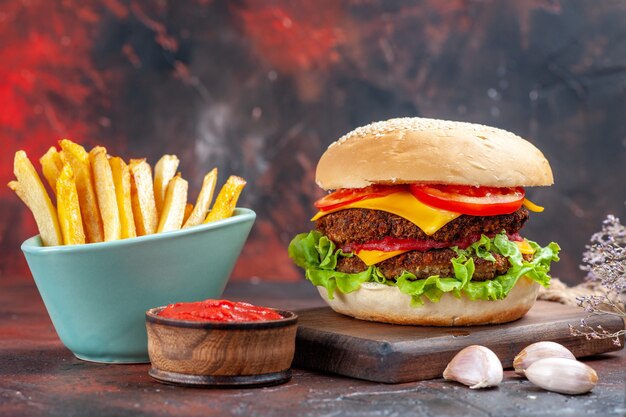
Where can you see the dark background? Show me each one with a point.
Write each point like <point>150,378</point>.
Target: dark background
<point>260,88</point>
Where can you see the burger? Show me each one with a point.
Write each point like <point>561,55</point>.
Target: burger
<point>422,224</point>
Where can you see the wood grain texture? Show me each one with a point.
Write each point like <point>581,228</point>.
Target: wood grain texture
<point>331,342</point>
<point>222,350</point>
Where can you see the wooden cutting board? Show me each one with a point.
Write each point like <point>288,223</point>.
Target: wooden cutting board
<point>331,342</point>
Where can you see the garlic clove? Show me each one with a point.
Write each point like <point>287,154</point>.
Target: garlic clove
<point>537,351</point>
<point>475,366</point>
<point>566,376</point>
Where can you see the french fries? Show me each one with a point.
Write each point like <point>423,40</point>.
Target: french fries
<point>174,205</point>
<point>142,197</point>
<point>188,210</point>
<point>51,166</point>
<point>203,203</point>
<point>101,198</point>
<point>69,208</point>
<point>32,192</point>
<point>78,159</point>
<point>121,181</point>
<point>105,192</point>
<point>164,171</point>
<point>227,199</point>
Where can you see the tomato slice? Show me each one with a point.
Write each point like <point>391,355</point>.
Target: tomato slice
<point>345,196</point>
<point>465,199</point>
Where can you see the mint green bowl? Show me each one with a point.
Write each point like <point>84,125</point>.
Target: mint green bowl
<point>97,294</point>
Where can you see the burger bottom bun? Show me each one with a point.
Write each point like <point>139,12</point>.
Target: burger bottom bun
<point>383,303</point>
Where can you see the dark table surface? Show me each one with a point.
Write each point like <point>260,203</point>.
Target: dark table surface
<point>40,377</point>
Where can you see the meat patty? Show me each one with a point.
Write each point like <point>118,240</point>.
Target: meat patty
<point>364,225</point>
<point>425,264</point>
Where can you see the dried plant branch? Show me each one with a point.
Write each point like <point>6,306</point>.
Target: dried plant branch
<point>604,260</point>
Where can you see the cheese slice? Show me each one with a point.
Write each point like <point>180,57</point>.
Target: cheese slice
<point>372,257</point>
<point>403,204</point>
<point>532,206</point>
<point>525,248</point>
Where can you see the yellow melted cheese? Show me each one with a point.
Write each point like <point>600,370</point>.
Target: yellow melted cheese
<point>532,206</point>
<point>525,248</point>
<point>372,257</point>
<point>403,204</point>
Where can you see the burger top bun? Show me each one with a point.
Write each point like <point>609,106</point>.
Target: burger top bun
<point>410,150</point>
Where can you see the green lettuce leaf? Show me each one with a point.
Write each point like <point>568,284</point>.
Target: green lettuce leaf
<point>318,256</point>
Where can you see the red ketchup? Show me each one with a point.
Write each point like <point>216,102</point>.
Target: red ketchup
<point>218,310</point>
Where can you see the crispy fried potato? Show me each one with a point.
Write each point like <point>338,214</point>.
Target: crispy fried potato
<point>15,187</point>
<point>32,192</point>
<point>69,208</point>
<point>227,199</point>
<point>142,197</point>
<point>78,158</point>
<point>51,166</point>
<point>121,180</point>
<point>174,205</point>
<point>164,171</point>
<point>105,192</point>
<point>204,199</point>
<point>188,210</point>
<point>100,198</point>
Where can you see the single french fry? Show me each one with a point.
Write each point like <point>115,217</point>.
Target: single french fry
<point>174,205</point>
<point>51,166</point>
<point>142,197</point>
<point>105,192</point>
<point>164,171</point>
<point>15,187</point>
<point>188,210</point>
<point>203,203</point>
<point>227,199</point>
<point>69,208</point>
<point>78,158</point>
<point>121,181</point>
<point>32,192</point>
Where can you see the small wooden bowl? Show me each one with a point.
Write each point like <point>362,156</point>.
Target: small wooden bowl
<point>221,354</point>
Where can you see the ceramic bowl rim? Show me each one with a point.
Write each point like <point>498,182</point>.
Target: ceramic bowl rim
<point>289,318</point>
<point>33,244</point>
